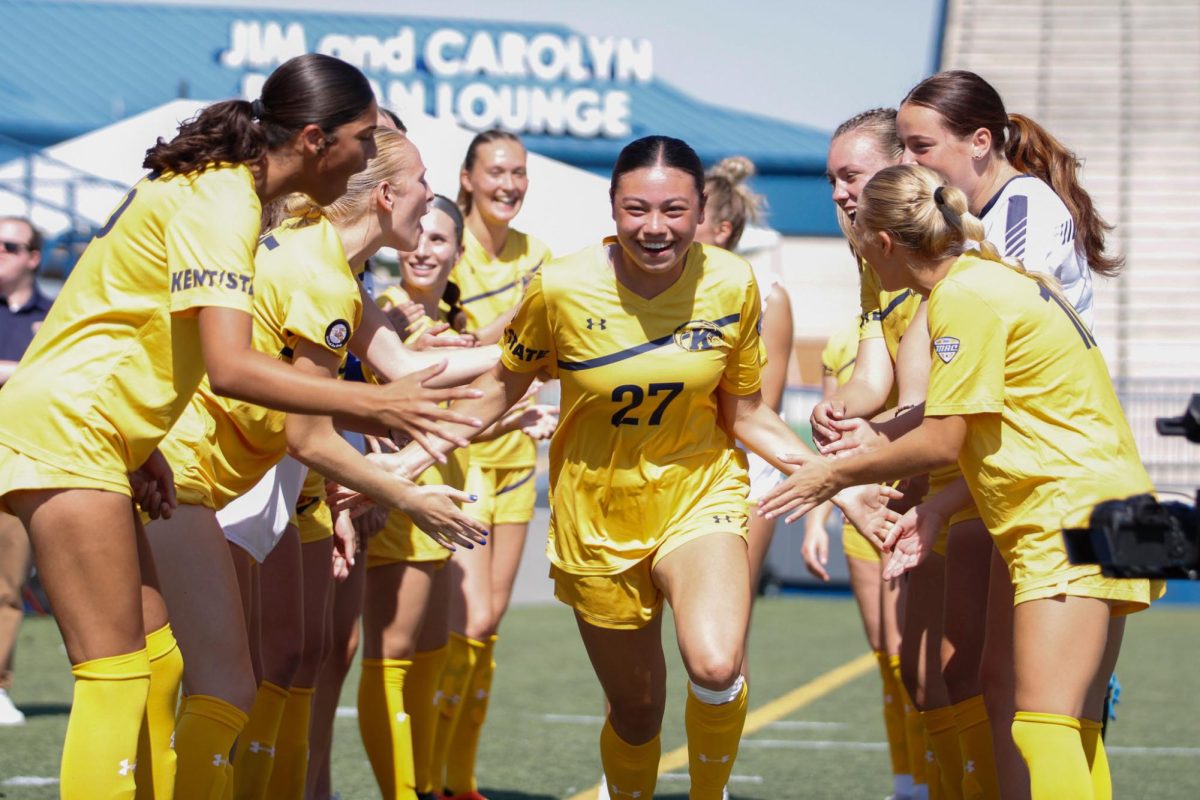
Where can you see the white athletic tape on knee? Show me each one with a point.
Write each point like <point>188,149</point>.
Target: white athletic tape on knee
<point>718,697</point>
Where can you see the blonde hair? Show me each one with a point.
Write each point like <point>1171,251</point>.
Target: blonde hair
<point>392,156</point>
<point>730,199</point>
<point>925,215</point>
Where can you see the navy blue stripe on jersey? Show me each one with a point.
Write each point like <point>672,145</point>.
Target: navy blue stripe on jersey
<point>996,196</point>
<point>518,484</point>
<point>636,350</point>
<point>896,301</point>
<point>503,288</point>
<point>1015,226</point>
<point>270,242</point>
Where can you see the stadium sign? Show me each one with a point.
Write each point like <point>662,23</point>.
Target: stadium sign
<point>544,83</point>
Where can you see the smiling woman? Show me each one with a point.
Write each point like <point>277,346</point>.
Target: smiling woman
<point>654,337</point>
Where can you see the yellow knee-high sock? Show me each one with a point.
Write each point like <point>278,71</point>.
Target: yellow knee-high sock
<point>291,747</point>
<point>420,688</point>
<point>943,739</point>
<point>100,752</point>
<point>914,738</point>
<point>385,726</point>
<point>1053,750</point>
<point>255,756</point>
<point>456,676</point>
<point>631,770</point>
<point>714,730</point>
<point>975,743</point>
<point>156,757</point>
<point>893,714</point>
<point>203,738</point>
<point>464,740</point>
<point>1097,758</point>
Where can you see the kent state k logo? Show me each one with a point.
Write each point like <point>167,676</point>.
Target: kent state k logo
<point>698,334</point>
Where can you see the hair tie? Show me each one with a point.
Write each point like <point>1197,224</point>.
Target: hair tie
<point>256,108</point>
<point>938,196</point>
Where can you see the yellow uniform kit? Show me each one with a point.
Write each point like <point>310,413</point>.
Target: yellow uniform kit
<point>501,471</point>
<point>639,464</point>
<point>400,540</point>
<point>303,290</point>
<point>1046,436</point>
<point>837,361</point>
<point>313,517</point>
<point>118,357</point>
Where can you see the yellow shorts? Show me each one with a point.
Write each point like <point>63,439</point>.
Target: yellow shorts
<point>630,600</point>
<point>1125,595</point>
<point>19,472</point>
<point>506,495</point>
<point>400,540</point>
<point>855,545</point>
<point>313,519</point>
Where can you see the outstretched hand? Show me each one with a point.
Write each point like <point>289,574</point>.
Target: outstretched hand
<point>866,508</point>
<point>824,415</point>
<point>417,410</point>
<point>806,488</point>
<point>153,487</point>
<point>911,539</point>
<point>854,436</point>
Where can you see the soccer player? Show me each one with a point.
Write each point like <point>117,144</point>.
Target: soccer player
<point>308,309</point>
<point>654,337</point>
<point>1016,369</point>
<point>498,262</point>
<point>160,297</point>
<point>880,383</point>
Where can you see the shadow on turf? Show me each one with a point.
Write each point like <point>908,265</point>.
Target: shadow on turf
<point>507,794</point>
<point>45,709</point>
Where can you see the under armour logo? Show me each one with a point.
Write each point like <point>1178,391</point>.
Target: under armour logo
<point>259,747</point>
<point>172,740</point>
<point>219,760</point>
<point>127,767</point>
<point>437,697</point>
<point>401,717</point>
<point>712,759</point>
<point>887,698</point>
<point>929,756</point>
<point>613,791</point>
<point>969,767</point>
<point>480,694</point>
<point>719,518</point>
<point>602,324</point>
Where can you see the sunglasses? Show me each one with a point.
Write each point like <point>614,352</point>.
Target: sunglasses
<point>12,248</point>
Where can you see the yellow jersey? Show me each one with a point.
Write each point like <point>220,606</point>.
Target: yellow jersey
<point>885,315</point>
<point>639,435</point>
<point>1046,436</point>
<point>118,357</point>
<point>840,353</point>
<point>304,289</point>
<point>490,288</point>
<point>400,540</point>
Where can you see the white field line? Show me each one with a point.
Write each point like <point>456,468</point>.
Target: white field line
<point>683,777</point>
<point>28,780</point>
<point>786,725</point>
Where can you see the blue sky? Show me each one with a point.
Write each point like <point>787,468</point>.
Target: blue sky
<point>814,62</point>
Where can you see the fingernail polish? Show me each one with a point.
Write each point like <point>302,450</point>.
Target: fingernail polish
<point>474,497</point>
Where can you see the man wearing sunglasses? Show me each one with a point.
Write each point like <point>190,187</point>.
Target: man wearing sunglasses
<point>22,309</point>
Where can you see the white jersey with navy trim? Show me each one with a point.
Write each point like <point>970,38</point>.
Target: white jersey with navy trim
<point>1028,222</point>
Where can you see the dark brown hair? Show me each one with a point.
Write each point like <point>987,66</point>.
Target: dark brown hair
<point>485,137</point>
<point>311,89</point>
<point>35,236</point>
<point>658,151</point>
<point>966,103</point>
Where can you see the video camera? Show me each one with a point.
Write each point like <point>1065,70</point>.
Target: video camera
<point>1140,537</point>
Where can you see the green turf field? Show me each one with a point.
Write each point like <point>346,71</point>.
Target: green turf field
<point>541,736</point>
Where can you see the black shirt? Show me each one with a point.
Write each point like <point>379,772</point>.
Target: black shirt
<point>18,327</point>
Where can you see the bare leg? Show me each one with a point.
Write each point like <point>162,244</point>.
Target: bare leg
<point>968,565</point>
<point>920,645</point>
<point>507,543</point>
<point>997,676</point>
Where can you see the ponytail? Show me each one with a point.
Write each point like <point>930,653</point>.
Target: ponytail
<point>1030,148</point>
<point>311,89</point>
<point>730,199</point>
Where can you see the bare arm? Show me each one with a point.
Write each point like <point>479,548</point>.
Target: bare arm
<point>313,440</point>
<point>754,424</point>
<point>490,333</point>
<point>7,368</point>
<point>237,370</point>
<point>863,395</point>
<point>777,336</point>
<point>380,348</point>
